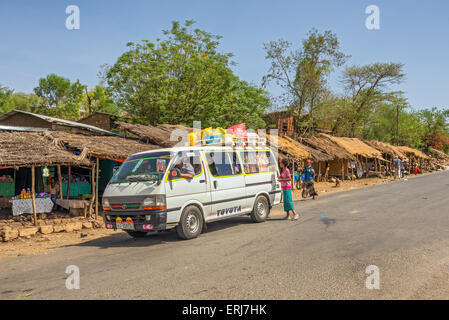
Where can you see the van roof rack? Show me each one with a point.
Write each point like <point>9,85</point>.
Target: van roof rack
<point>251,140</point>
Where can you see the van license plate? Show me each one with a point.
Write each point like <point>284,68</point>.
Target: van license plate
<point>125,225</point>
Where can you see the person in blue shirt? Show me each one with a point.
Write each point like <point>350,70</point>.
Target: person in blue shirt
<point>308,175</point>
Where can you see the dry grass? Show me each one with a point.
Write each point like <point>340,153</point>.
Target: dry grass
<point>21,149</point>
<point>288,147</point>
<point>98,146</point>
<point>327,147</point>
<point>386,148</point>
<point>413,152</point>
<point>354,146</point>
<point>160,135</point>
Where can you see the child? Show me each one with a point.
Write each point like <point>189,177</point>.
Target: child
<point>286,183</point>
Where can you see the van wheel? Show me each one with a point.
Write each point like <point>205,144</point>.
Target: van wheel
<point>191,223</point>
<point>261,209</point>
<point>136,234</point>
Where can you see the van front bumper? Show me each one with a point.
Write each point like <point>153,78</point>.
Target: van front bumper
<point>143,220</point>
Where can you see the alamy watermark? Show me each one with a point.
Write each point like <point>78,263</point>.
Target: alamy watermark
<point>73,280</point>
<point>372,282</point>
<point>72,22</point>
<point>372,22</point>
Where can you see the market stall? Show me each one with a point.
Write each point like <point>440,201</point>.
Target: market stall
<point>105,154</point>
<point>21,206</point>
<point>26,153</point>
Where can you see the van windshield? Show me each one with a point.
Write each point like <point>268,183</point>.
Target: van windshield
<point>143,167</point>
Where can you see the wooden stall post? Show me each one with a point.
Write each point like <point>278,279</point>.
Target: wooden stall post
<point>319,172</point>
<point>96,188</point>
<point>68,182</point>
<point>33,194</point>
<point>342,170</point>
<point>60,181</point>
<point>92,200</point>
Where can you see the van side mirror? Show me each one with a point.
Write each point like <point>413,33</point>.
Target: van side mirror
<point>174,173</point>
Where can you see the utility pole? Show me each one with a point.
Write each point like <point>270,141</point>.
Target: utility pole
<point>397,124</point>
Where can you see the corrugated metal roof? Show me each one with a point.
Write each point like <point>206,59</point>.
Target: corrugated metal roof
<point>16,128</point>
<point>57,120</point>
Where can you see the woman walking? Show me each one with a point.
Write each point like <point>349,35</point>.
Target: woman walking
<point>286,183</point>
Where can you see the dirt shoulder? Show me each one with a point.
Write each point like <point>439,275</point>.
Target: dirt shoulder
<point>43,244</point>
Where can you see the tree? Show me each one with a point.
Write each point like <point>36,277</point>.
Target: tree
<point>181,79</point>
<point>397,123</point>
<point>437,128</point>
<point>5,93</point>
<point>303,73</point>
<point>98,99</point>
<point>366,87</point>
<point>61,98</point>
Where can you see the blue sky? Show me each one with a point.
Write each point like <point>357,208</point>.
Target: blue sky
<point>35,41</point>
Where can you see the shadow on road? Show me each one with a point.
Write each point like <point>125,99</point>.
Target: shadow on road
<point>156,238</point>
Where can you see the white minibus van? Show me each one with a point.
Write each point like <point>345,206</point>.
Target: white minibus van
<point>187,187</point>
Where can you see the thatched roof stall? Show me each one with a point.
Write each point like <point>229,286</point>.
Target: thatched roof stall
<point>386,148</point>
<point>26,149</point>
<point>159,135</point>
<point>354,146</point>
<point>410,152</point>
<point>288,148</point>
<point>114,148</point>
<point>439,155</point>
<point>314,154</point>
<point>327,147</point>
<point>99,147</point>
<point>33,149</point>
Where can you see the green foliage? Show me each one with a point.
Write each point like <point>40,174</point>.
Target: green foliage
<point>98,99</point>
<point>60,97</point>
<point>181,79</point>
<point>367,87</point>
<point>303,73</point>
<point>436,126</point>
<point>5,94</point>
<point>17,101</point>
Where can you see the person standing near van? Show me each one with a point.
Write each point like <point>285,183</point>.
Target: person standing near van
<point>308,176</point>
<point>286,183</point>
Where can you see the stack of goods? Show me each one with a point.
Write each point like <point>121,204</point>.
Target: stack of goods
<point>24,194</point>
<point>43,195</point>
<point>207,136</point>
<point>235,135</point>
<point>6,178</point>
<point>73,178</point>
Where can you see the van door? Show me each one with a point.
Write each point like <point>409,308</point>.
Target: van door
<point>180,190</point>
<point>228,192</point>
<point>260,169</point>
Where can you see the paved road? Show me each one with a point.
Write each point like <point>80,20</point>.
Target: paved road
<point>401,227</point>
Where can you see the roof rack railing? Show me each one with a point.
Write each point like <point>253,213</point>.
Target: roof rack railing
<point>252,140</point>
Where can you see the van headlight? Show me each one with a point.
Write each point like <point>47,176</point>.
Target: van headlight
<point>106,205</point>
<point>154,203</point>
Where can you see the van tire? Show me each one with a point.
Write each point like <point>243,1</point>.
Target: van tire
<point>261,209</point>
<point>191,223</point>
<point>136,234</point>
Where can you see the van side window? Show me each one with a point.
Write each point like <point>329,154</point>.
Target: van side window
<point>236,167</point>
<point>265,161</point>
<point>190,160</point>
<point>223,164</point>
<point>250,161</point>
<point>258,161</point>
<point>196,163</point>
